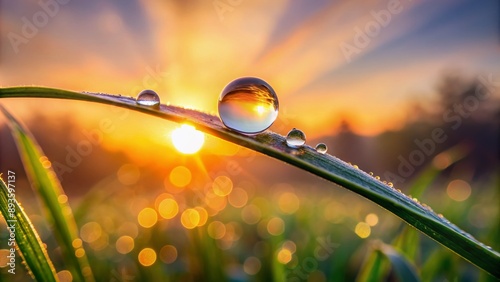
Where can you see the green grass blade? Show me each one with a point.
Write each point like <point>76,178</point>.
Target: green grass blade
<point>401,267</point>
<point>374,268</point>
<point>306,158</point>
<point>49,190</point>
<point>27,241</point>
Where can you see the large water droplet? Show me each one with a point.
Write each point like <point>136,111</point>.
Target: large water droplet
<point>295,138</point>
<point>148,98</point>
<point>248,105</point>
<point>321,148</point>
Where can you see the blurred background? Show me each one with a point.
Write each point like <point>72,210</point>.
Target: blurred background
<point>399,88</point>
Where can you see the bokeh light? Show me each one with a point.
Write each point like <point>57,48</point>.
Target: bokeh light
<point>238,197</point>
<point>77,243</point>
<point>147,257</point>
<point>216,229</point>
<point>458,190</point>
<point>284,256</point>
<point>222,185</point>
<point>252,265</point>
<point>90,232</point>
<point>251,214</point>
<point>147,218</point>
<point>362,229</point>
<point>289,245</point>
<point>275,226</point>
<point>180,176</point>
<point>124,244</point>
<point>168,254</point>
<point>202,212</point>
<point>190,218</point>
<point>168,208</point>
<point>215,201</point>
<point>80,252</point>
<point>371,219</point>
<point>64,276</point>
<point>288,202</point>
<point>62,199</point>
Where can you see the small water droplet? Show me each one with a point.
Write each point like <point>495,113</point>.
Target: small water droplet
<point>370,173</point>
<point>148,98</point>
<point>385,182</point>
<point>321,148</point>
<point>390,184</point>
<point>377,177</point>
<point>399,190</point>
<point>355,166</point>
<point>248,105</point>
<point>440,215</point>
<point>295,138</point>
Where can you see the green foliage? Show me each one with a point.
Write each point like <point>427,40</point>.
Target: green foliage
<point>328,167</point>
<point>28,243</point>
<point>376,267</point>
<point>50,192</point>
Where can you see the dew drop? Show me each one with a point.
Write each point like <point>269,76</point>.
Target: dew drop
<point>390,184</point>
<point>370,173</point>
<point>355,166</point>
<point>377,177</point>
<point>148,98</point>
<point>321,148</point>
<point>295,138</point>
<point>248,105</point>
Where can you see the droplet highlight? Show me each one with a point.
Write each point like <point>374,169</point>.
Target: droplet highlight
<point>295,138</point>
<point>148,98</point>
<point>321,148</point>
<point>248,105</point>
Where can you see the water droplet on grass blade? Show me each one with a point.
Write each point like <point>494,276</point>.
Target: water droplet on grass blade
<point>248,105</point>
<point>321,148</point>
<point>295,138</point>
<point>148,98</point>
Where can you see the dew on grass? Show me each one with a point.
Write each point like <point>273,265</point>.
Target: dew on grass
<point>148,98</point>
<point>321,148</point>
<point>390,184</point>
<point>295,138</point>
<point>248,105</point>
<point>377,177</point>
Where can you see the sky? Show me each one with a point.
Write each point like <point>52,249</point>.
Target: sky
<point>326,60</point>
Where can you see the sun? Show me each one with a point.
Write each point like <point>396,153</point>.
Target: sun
<point>187,139</point>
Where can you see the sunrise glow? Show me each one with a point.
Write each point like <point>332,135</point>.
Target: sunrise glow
<point>187,139</point>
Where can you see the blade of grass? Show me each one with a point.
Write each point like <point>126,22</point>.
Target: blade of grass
<point>28,243</point>
<point>49,190</point>
<point>306,158</point>
<point>376,267</point>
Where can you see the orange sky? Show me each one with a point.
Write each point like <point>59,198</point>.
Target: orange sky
<point>188,52</point>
